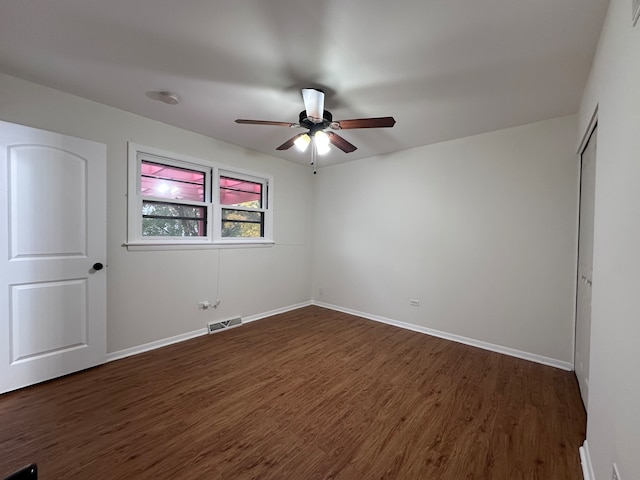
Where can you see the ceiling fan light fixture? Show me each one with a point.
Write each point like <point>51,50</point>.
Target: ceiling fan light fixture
<point>322,149</point>
<point>302,142</point>
<point>321,139</point>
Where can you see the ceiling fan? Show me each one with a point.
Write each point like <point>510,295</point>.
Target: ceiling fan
<point>319,122</point>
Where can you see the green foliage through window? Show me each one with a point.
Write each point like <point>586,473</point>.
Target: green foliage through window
<point>242,213</point>
<point>177,200</point>
<point>160,219</point>
<point>242,223</point>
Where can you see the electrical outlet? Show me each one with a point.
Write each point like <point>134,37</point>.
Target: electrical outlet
<point>414,303</point>
<point>616,474</point>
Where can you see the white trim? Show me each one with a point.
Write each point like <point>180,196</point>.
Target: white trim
<point>136,155</point>
<point>212,170</point>
<point>593,123</point>
<point>277,311</point>
<point>127,352</point>
<point>267,203</point>
<point>585,461</point>
<point>139,246</point>
<point>587,133</point>
<point>552,362</point>
<point>586,138</point>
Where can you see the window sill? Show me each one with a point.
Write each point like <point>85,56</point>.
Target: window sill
<point>160,246</point>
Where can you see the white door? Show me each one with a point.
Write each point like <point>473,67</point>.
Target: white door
<point>52,232</point>
<point>585,266</point>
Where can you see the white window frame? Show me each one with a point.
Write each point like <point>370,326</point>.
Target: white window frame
<point>212,171</point>
<point>265,210</point>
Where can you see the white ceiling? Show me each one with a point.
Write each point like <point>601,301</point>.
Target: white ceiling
<point>443,68</point>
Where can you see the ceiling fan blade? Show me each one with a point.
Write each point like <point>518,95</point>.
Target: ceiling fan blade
<point>341,143</point>
<point>289,143</point>
<point>266,122</point>
<point>313,104</point>
<point>377,122</point>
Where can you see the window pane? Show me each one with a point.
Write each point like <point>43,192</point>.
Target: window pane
<point>240,193</point>
<point>241,215</point>
<point>165,181</point>
<point>161,219</point>
<point>241,224</point>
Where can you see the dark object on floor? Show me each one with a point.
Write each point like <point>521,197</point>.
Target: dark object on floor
<point>29,472</point>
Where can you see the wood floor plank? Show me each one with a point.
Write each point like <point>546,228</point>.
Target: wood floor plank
<point>310,394</point>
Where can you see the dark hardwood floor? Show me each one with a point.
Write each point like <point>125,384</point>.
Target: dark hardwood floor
<point>310,394</point>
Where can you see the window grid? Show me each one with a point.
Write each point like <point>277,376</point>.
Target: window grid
<point>174,201</point>
<point>241,201</point>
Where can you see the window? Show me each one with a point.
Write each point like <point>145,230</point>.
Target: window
<point>242,202</point>
<point>174,200</point>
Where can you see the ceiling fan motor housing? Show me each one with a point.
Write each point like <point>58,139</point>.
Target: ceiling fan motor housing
<point>304,121</point>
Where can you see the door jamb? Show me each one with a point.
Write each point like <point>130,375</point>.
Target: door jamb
<point>591,126</point>
<point>593,123</point>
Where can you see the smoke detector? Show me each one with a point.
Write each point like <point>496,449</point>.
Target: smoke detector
<point>169,98</point>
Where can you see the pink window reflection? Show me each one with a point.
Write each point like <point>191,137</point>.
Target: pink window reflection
<point>241,193</point>
<point>164,181</point>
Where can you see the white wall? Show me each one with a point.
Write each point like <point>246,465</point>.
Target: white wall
<point>481,230</point>
<point>613,426</point>
<point>154,295</point>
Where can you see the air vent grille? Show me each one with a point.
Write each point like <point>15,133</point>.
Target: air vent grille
<point>213,327</point>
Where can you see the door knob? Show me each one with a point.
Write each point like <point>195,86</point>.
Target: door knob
<point>98,266</point>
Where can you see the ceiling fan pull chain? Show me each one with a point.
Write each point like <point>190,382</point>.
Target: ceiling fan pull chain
<point>313,156</point>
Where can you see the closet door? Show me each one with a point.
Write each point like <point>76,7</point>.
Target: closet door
<point>585,265</point>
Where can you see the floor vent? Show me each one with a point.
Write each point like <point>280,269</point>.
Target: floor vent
<point>213,327</point>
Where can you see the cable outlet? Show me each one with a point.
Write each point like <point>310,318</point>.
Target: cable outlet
<point>204,305</point>
<point>616,474</point>
<point>414,303</point>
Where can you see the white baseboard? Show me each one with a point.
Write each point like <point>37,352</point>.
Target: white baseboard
<point>455,338</point>
<point>277,311</point>
<point>127,352</point>
<point>585,460</point>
